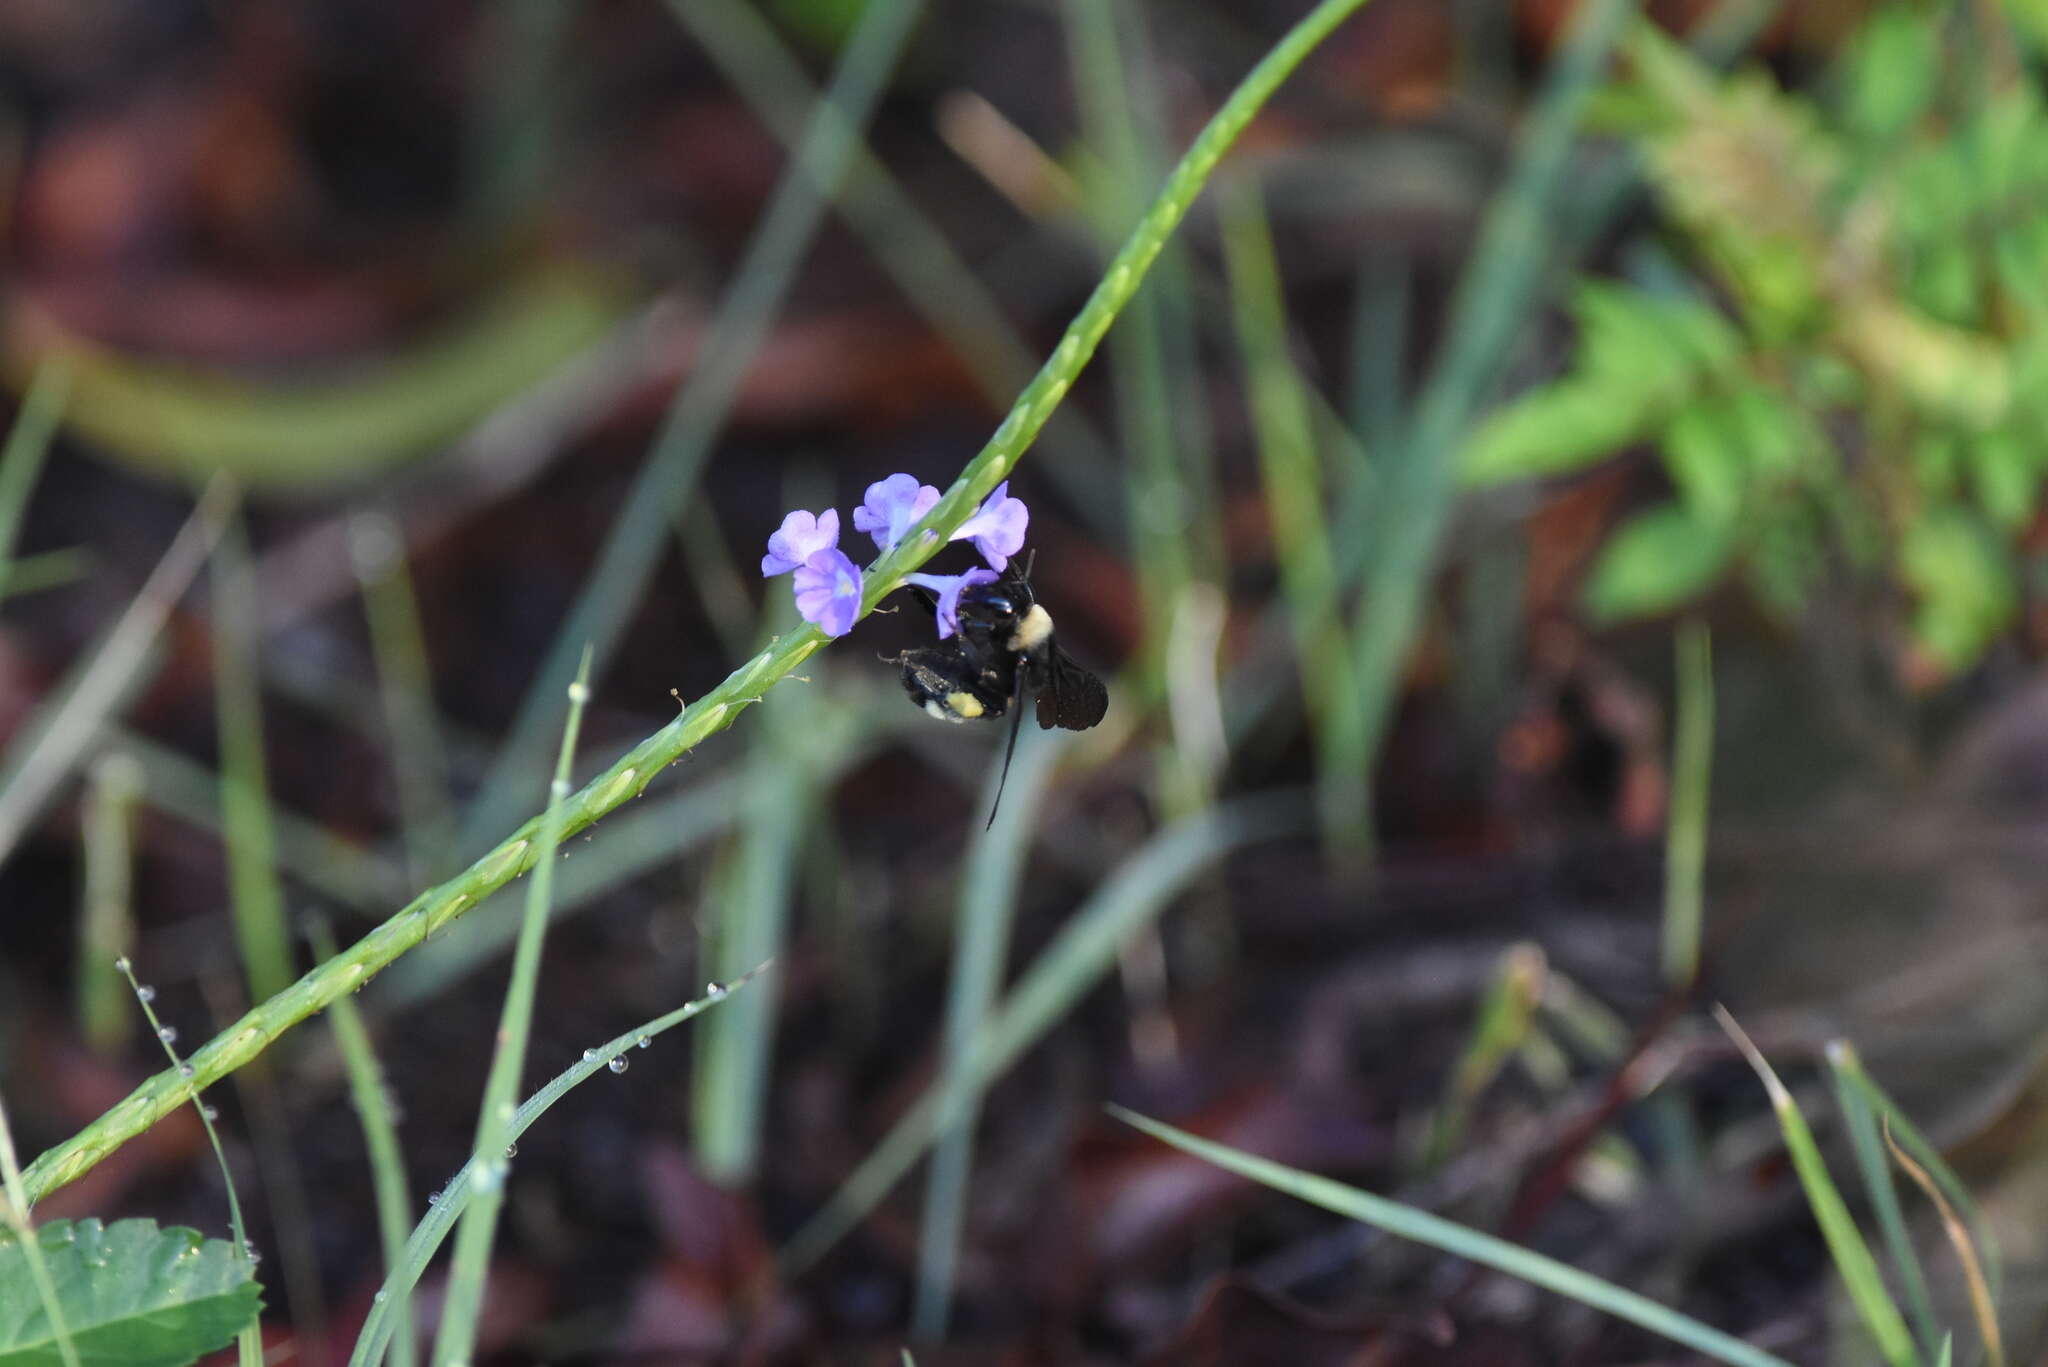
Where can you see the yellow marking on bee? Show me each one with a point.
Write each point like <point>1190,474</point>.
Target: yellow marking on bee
<point>964,704</point>
<point>1034,629</point>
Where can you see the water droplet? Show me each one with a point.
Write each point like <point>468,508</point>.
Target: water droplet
<point>167,1033</point>
<point>145,993</point>
<point>433,1198</point>
<point>121,964</point>
<point>381,1296</point>
<point>618,1065</point>
<point>186,1070</point>
<point>207,1110</point>
<point>254,1256</point>
<point>642,1042</point>
<point>512,1150</point>
<point>579,692</point>
<point>590,1055</point>
<point>714,990</point>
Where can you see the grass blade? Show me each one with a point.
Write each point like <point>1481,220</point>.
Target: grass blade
<point>254,896</point>
<point>1160,501</point>
<point>698,411</point>
<point>1486,316</point>
<point>457,1339</point>
<point>1981,1308</point>
<point>735,1050</point>
<point>46,749</point>
<point>988,901</point>
<point>1685,841</point>
<point>1847,1065</point>
<point>1297,496</point>
<point>1863,1124</point>
<point>1851,1255</point>
<point>372,1103</point>
<point>398,644</point>
<point>1129,900</point>
<point>31,1246</point>
<point>1434,1231</point>
<point>28,443</point>
<point>433,1227</point>
<point>248,1343</point>
<point>106,921</point>
<point>919,260</point>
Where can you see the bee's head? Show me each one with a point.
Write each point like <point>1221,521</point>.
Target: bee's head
<point>996,607</point>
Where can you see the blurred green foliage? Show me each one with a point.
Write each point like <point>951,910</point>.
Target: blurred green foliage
<point>1848,384</point>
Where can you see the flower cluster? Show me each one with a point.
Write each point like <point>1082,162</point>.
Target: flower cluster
<point>827,583</point>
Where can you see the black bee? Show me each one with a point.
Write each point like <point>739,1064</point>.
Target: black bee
<point>1003,648</point>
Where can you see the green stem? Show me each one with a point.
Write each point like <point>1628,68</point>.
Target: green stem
<point>630,775</point>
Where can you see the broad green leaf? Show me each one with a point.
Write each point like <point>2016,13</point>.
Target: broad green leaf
<point>2006,475</point>
<point>1656,561</point>
<point>1948,373</point>
<point>132,1295</point>
<point>1640,357</point>
<point>1889,75</point>
<point>1658,341</point>
<point>1963,580</point>
<point>1558,429</point>
<point>1717,445</point>
<point>1946,278</point>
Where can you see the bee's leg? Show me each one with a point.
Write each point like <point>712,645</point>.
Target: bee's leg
<point>1009,753</point>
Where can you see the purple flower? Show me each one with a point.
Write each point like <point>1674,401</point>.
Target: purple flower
<point>828,588</point>
<point>892,507</point>
<point>998,529</point>
<point>947,587</point>
<point>802,536</point>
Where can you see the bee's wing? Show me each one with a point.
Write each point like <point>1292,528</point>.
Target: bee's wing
<point>1069,696</point>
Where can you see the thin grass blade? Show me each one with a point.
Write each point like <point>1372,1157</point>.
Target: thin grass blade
<point>427,1236</point>
<point>1084,951</point>
<point>1863,1124</point>
<point>368,1094</point>
<point>988,901</point>
<point>1685,841</point>
<point>697,413</point>
<point>1851,1255</point>
<point>1421,1227</point>
<point>457,1339</point>
<point>49,746</point>
<point>21,460</point>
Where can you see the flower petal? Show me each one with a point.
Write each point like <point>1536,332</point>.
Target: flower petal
<point>947,587</point>
<point>997,530</point>
<point>801,536</point>
<point>827,588</point>
<point>892,507</point>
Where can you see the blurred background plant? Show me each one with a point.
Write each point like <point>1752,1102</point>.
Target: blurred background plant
<point>1410,855</point>
<point>1836,349</point>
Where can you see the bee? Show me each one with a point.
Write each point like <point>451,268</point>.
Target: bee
<point>1003,649</point>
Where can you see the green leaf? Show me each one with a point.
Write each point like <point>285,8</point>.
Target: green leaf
<point>1655,561</point>
<point>132,1295</point>
<point>1433,1231</point>
<point>2006,475</point>
<point>1964,582</point>
<point>1719,444</point>
<point>1558,429</point>
<point>1888,77</point>
<point>1640,356</point>
<point>1664,341</point>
